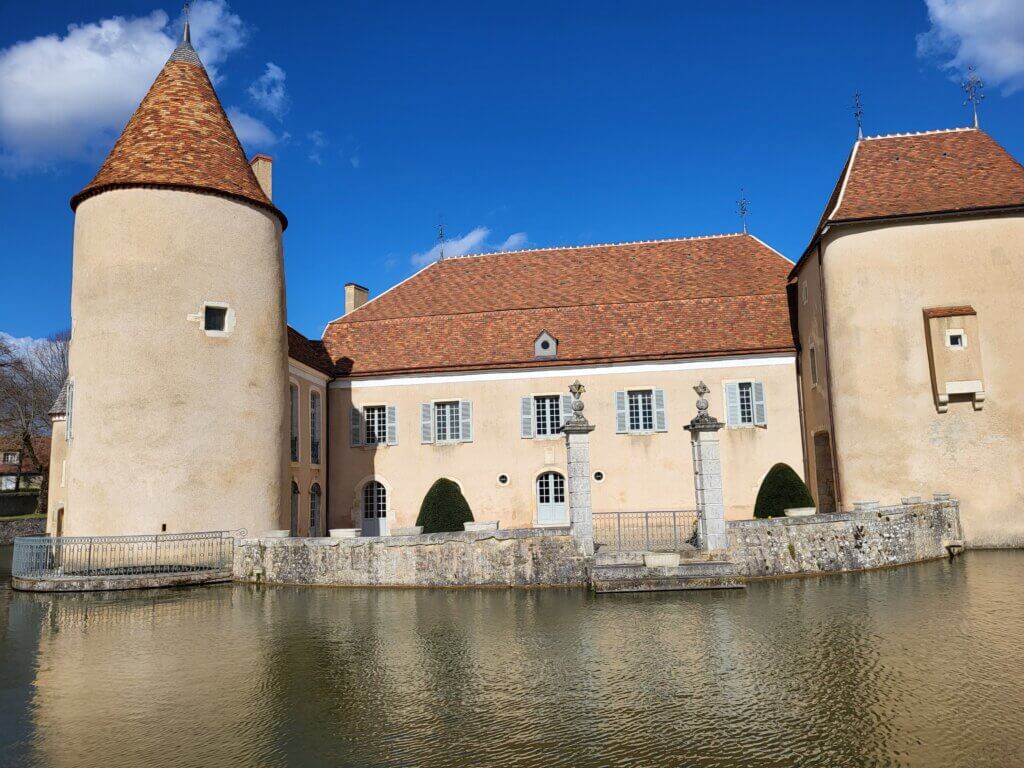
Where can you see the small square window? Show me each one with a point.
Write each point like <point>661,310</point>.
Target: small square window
<point>215,318</point>
<point>956,339</point>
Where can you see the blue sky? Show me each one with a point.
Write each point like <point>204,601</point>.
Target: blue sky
<point>521,123</point>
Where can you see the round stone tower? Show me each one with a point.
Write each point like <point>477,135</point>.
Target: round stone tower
<point>176,412</point>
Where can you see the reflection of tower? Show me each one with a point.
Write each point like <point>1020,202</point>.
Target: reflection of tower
<point>178,376</point>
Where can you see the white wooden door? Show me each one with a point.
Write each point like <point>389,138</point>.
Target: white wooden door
<point>551,509</point>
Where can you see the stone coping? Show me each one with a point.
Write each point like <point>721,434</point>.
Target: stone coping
<point>843,517</point>
<point>406,541</point>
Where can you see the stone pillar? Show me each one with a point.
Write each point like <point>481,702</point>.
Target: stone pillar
<point>707,476</point>
<point>577,440</point>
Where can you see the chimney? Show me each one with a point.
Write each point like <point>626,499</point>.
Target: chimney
<point>355,296</point>
<point>263,167</point>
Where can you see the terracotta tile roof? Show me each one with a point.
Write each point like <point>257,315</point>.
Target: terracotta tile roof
<point>26,466</point>
<point>958,170</point>
<point>308,352</point>
<point>180,137</point>
<point>654,300</point>
<point>961,311</point>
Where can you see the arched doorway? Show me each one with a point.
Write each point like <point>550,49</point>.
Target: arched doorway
<point>375,509</point>
<point>551,509</point>
<point>314,510</point>
<point>294,528</point>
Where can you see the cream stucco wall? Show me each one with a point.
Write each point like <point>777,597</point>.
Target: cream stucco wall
<point>890,437</point>
<point>642,472</point>
<point>171,426</point>
<point>304,473</point>
<point>55,491</point>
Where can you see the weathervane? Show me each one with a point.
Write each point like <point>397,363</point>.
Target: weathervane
<point>973,87</point>
<point>744,208</point>
<point>440,236</point>
<point>858,113</point>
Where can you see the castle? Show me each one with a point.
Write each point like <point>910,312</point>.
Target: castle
<point>190,405</point>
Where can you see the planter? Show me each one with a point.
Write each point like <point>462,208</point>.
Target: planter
<point>910,499</point>
<point>800,511</point>
<point>481,525</point>
<point>661,559</point>
<point>344,533</point>
<point>412,530</point>
<point>277,534</point>
<point>860,506</point>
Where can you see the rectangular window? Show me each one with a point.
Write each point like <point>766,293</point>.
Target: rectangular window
<point>375,418</point>
<point>8,482</point>
<point>294,441</point>
<point>314,427</point>
<point>548,414</point>
<point>641,411</point>
<point>11,457</point>
<point>447,422</point>
<point>813,361</point>
<point>746,403</point>
<point>214,318</point>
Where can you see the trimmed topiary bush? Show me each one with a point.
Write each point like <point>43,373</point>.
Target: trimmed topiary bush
<point>444,508</point>
<point>782,489</point>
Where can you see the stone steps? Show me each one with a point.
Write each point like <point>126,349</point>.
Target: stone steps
<point>695,574</point>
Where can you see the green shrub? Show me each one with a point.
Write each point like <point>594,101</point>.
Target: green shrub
<point>444,508</point>
<point>782,489</point>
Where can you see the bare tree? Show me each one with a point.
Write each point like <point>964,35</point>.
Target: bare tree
<point>31,378</point>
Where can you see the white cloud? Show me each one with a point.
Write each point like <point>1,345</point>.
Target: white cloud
<point>268,91</point>
<point>988,34</point>
<point>473,242</point>
<point>252,132</point>
<point>67,97</point>
<point>317,141</point>
<point>22,346</point>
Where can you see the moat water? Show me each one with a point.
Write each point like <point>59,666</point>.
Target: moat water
<point>920,666</point>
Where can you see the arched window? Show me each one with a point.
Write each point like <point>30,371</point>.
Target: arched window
<point>551,499</point>
<point>375,500</point>
<point>295,509</point>
<point>314,427</point>
<point>293,392</point>
<point>314,510</point>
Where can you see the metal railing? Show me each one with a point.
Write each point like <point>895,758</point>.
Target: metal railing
<point>104,557</point>
<point>646,531</point>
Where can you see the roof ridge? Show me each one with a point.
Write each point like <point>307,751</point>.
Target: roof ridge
<point>568,306</point>
<point>593,245</point>
<point>919,133</point>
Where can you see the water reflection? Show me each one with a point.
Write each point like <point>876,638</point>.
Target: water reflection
<point>916,666</point>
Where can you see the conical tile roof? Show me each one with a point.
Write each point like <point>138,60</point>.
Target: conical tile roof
<point>180,138</point>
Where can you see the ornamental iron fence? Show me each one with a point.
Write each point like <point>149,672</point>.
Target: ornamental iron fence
<point>646,531</point>
<point>105,557</point>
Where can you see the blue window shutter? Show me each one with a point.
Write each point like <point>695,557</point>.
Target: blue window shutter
<point>426,423</point>
<point>466,419</point>
<point>760,412</point>
<point>355,427</point>
<point>566,409</point>
<point>732,405</point>
<point>392,414</point>
<point>660,419</point>
<point>621,417</point>
<point>526,417</point>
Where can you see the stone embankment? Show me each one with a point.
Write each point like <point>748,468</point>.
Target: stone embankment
<point>846,541</point>
<point>30,526</point>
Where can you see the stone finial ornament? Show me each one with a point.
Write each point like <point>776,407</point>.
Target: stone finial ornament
<point>577,418</point>
<point>703,421</point>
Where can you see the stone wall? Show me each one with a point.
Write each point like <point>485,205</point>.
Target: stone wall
<point>520,558</point>
<point>844,541</point>
<point>32,526</point>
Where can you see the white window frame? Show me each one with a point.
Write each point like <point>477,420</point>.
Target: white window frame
<point>553,429</point>
<point>639,391</point>
<point>950,333</point>
<point>385,494</point>
<point>753,384</point>
<point>9,460</point>
<point>381,430</point>
<point>457,411</point>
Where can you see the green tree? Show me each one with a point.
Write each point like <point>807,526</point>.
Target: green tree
<point>782,489</point>
<point>444,508</point>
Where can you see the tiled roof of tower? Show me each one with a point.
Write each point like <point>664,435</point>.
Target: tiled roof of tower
<point>308,352</point>
<point>180,138</point>
<point>958,170</point>
<point>656,300</point>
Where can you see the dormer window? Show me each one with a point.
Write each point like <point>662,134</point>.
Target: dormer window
<point>545,346</point>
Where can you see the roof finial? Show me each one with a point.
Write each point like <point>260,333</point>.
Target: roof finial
<point>973,87</point>
<point>186,36</point>
<point>440,236</point>
<point>743,206</point>
<point>858,113</point>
